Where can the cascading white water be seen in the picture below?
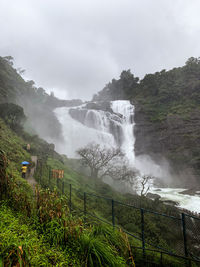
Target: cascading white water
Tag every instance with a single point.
(124, 108)
(97, 119)
(82, 126)
(77, 135)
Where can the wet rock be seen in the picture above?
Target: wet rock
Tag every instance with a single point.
(101, 105)
(153, 196)
(78, 114)
(117, 131)
(191, 191)
(170, 202)
(176, 139)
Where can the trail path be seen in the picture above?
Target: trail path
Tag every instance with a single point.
(30, 178)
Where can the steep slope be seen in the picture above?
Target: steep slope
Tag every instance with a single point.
(38, 105)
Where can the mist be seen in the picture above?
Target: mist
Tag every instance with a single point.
(74, 48)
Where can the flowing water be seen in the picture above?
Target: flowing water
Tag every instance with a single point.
(127, 111)
(188, 202)
(77, 134)
(82, 126)
(114, 129)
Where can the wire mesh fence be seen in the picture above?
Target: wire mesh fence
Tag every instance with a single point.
(128, 218)
(192, 225)
(177, 236)
(99, 206)
(163, 231)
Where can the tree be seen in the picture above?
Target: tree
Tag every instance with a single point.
(12, 114)
(145, 184)
(20, 71)
(192, 61)
(98, 159)
(9, 60)
(30, 83)
(124, 173)
(3, 176)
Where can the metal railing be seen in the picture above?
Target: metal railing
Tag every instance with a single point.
(180, 236)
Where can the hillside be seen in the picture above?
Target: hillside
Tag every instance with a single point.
(37, 104)
(167, 116)
(54, 235)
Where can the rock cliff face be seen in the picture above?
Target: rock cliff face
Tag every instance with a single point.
(175, 139)
(101, 117)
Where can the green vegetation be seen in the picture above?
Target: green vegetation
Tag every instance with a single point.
(20, 244)
(50, 236)
(13, 115)
(166, 92)
(40, 231)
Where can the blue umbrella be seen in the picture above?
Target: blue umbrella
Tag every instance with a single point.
(25, 162)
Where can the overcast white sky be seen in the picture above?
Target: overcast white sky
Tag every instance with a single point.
(75, 47)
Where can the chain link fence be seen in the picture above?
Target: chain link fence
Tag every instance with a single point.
(177, 235)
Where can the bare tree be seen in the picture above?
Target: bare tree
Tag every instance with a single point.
(124, 173)
(145, 184)
(98, 159)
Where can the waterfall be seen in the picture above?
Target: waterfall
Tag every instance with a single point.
(77, 134)
(127, 111)
(112, 128)
(97, 119)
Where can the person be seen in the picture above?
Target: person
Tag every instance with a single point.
(24, 169)
(28, 147)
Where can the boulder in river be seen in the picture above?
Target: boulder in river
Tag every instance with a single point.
(192, 191)
(170, 202)
(153, 196)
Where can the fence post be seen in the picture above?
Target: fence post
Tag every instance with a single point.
(63, 187)
(49, 176)
(40, 174)
(161, 258)
(70, 198)
(142, 231)
(57, 183)
(84, 205)
(113, 214)
(184, 234)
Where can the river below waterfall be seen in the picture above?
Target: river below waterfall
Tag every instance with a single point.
(184, 201)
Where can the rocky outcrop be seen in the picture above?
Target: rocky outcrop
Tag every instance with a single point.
(170, 202)
(78, 114)
(153, 196)
(101, 117)
(192, 191)
(101, 105)
(176, 139)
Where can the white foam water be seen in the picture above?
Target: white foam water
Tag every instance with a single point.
(77, 135)
(124, 108)
(184, 201)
